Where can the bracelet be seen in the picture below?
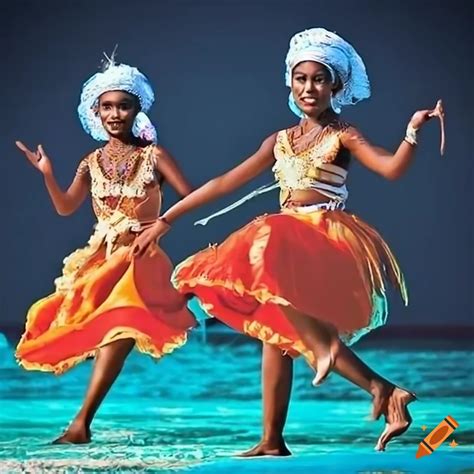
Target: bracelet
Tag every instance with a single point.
(410, 135)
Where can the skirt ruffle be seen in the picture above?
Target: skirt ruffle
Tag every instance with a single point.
(329, 265)
(99, 300)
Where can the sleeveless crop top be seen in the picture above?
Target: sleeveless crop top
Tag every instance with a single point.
(322, 167)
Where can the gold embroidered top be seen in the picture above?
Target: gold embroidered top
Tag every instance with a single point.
(321, 166)
(125, 195)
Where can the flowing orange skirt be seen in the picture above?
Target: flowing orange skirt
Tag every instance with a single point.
(99, 301)
(327, 264)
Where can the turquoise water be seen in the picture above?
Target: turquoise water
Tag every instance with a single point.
(193, 410)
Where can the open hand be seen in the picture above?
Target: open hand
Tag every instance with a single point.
(146, 240)
(37, 158)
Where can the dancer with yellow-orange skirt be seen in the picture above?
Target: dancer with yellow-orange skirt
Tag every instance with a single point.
(105, 303)
(311, 279)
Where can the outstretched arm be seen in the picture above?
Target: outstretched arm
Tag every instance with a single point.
(389, 165)
(67, 202)
(226, 183)
(213, 189)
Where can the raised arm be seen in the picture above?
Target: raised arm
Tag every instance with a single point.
(66, 202)
(391, 165)
(254, 165)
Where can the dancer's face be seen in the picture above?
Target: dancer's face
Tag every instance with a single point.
(117, 111)
(312, 87)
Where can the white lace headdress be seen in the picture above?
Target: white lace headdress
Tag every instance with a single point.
(340, 58)
(116, 77)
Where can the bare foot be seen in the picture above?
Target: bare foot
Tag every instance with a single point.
(76, 434)
(398, 418)
(266, 448)
(325, 362)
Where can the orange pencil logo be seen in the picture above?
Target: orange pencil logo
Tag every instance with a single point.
(436, 437)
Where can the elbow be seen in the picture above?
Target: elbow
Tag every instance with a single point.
(392, 174)
(64, 211)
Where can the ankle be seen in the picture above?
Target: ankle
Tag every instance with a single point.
(80, 422)
(272, 438)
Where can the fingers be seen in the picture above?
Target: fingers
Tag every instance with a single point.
(140, 251)
(138, 248)
(131, 254)
(30, 154)
(33, 156)
(134, 251)
(21, 146)
(41, 150)
(144, 244)
(438, 111)
(441, 122)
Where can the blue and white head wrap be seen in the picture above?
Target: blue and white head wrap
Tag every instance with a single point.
(339, 57)
(117, 77)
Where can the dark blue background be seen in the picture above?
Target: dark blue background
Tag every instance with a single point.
(218, 72)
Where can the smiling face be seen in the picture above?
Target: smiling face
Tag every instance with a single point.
(312, 87)
(117, 111)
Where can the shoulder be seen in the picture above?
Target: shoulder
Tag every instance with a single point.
(268, 145)
(149, 153)
(274, 138)
(88, 156)
(340, 126)
(350, 136)
(84, 164)
(157, 153)
(270, 140)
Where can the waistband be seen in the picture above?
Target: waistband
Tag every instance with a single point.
(329, 206)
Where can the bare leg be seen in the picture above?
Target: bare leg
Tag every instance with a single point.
(277, 377)
(321, 338)
(108, 364)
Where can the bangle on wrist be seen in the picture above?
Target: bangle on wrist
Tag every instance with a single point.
(411, 135)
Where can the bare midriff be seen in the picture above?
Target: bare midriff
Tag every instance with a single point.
(304, 197)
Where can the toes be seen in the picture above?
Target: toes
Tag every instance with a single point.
(382, 441)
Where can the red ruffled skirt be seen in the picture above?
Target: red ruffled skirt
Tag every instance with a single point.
(327, 264)
(99, 300)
